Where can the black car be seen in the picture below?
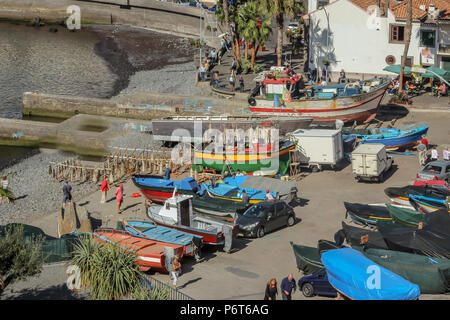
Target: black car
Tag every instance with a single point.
(264, 217)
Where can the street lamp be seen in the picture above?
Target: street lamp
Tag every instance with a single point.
(328, 37)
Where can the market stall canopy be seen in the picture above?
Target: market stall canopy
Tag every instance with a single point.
(395, 68)
(433, 72)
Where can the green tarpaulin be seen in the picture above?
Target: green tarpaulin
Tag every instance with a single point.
(432, 275)
(436, 71)
(405, 216)
(308, 258)
(53, 249)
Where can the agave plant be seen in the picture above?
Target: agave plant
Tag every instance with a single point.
(83, 257)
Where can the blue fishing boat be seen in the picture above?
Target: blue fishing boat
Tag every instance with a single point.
(159, 190)
(358, 278)
(234, 193)
(396, 138)
(148, 230)
(428, 204)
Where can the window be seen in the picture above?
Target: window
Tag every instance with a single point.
(409, 61)
(427, 38)
(397, 33)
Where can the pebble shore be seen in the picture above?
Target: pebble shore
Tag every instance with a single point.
(37, 193)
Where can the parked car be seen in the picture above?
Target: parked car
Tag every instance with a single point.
(435, 170)
(293, 25)
(265, 217)
(316, 284)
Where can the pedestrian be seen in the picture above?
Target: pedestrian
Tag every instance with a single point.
(241, 83)
(104, 187)
(245, 198)
(176, 270)
(231, 82)
(167, 173)
(269, 196)
(434, 154)
(234, 66)
(119, 197)
(341, 76)
(4, 190)
(216, 79)
(288, 287)
(424, 141)
(203, 72)
(67, 193)
(324, 82)
(446, 154)
(271, 290)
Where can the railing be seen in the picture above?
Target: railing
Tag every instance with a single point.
(173, 294)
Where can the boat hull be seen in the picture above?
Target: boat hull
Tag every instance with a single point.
(401, 141)
(348, 109)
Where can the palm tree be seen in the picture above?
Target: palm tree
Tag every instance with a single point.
(227, 14)
(407, 39)
(278, 9)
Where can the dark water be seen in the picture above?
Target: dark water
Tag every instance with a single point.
(95, 61)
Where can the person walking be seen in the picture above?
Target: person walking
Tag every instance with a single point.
(67, 193)
(203, 72)
(167, 173)
(241, 83)
(231, 82)
(119, 197)
(269, 196)
(216, 79)
(245, 198)
(446, 154)
(4, 190)
(104, 187)
(176, 270)
(434, 154)
(288, 287)
(271, 290)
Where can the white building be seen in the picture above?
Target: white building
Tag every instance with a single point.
(356, 36)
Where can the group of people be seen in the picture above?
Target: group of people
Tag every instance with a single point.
(104, 187)
(288, 288)
(434, 155)
(440, 89)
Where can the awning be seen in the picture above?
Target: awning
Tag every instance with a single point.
(395, 68)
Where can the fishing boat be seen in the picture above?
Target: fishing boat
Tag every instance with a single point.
(431, 203)
(192, 243)
(253, 157)
(234, 193)
(177, 213)
(349, 273)
(150, 254)
(433, 240)
(354, 236)
(307, 258)
(438, 184)
(280, 92)
(432, 275)
(407, 217)
(159, 190)
(401, 195)
(193, 129)
(405, 137)
(367, 214)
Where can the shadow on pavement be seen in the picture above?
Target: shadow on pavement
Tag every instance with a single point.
(59, 292)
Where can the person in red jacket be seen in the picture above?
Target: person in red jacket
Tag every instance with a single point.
(104, 187)
(424, 141)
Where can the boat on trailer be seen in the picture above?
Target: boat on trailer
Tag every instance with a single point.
(177, 213)
(349, 102)
(150, 254)
(148, 230)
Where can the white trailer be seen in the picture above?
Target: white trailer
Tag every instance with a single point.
(318, 147)
(370, 161)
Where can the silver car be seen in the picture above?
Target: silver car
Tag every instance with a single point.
(436, 170)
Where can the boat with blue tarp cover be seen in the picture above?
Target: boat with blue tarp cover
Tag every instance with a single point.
(234, 193)
(405, 136)
(148, 230)
(355, 276)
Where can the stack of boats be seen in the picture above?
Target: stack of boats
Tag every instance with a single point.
(408, 241)
(186, 216)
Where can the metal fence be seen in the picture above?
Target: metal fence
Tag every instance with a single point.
(174, 294)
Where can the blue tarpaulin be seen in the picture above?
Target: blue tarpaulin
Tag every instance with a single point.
(359, 278)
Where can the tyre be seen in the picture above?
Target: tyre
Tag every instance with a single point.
(261, 232)
(308, 290)
(290, 221)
